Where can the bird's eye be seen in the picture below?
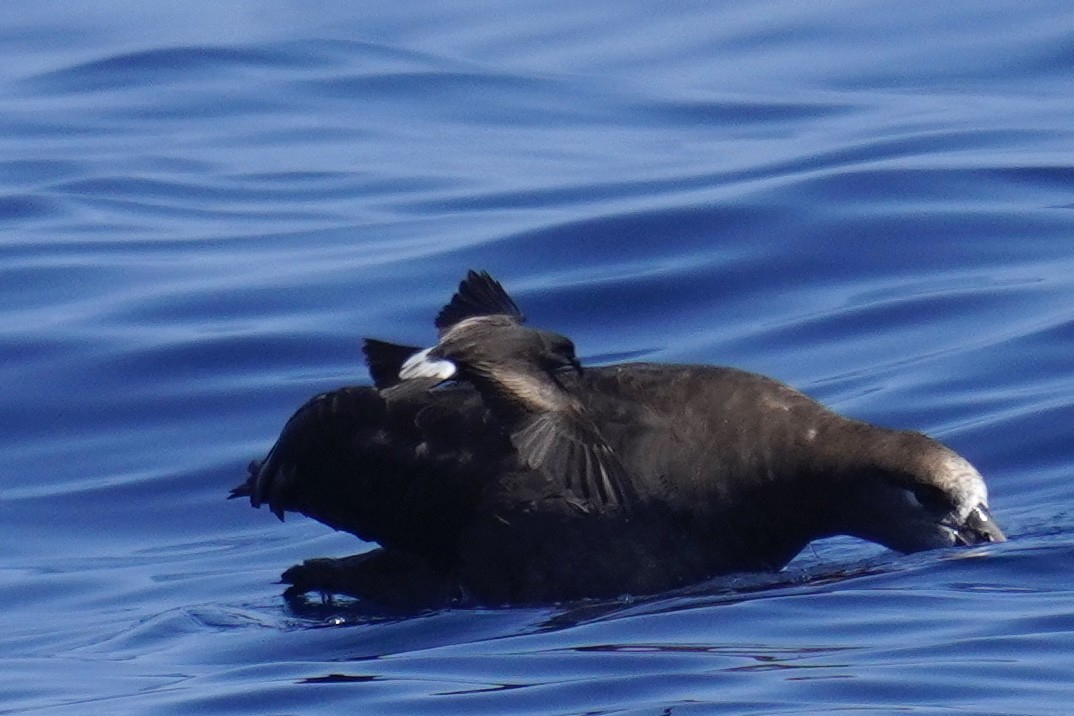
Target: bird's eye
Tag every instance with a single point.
(932, 498)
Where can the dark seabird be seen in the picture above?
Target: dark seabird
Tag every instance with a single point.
(492, 467)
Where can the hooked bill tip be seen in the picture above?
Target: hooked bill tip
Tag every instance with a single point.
(980, 527)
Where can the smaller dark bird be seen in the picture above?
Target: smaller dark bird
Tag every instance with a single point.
(483, 342)
(492, 466)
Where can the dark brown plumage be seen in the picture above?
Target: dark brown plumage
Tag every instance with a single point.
(526, 479)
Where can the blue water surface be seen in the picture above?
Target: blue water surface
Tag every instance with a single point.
(204, 206)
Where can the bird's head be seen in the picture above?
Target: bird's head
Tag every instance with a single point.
(558, 352)
(921, 495)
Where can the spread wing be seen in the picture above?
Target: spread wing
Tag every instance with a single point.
(552, 432)
(311, 456)
(568, 448)
(346, 459)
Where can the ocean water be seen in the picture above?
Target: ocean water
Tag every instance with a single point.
(204, 206)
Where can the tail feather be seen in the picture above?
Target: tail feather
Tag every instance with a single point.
(479, 294)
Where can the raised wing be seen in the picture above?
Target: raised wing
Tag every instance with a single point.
(479, 295)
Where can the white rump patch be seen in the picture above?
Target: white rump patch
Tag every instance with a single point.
(420, 365)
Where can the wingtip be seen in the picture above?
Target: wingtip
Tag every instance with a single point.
(385, 360)
(246, 489)
(237, 492)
